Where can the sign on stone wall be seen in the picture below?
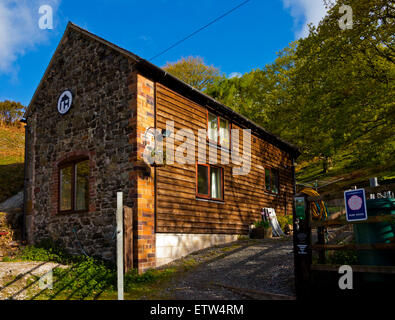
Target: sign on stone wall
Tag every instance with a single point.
(65, 101)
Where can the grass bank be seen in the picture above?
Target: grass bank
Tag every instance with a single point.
(12, 147)
(345, 168)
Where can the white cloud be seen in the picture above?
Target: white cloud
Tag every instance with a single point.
(305, 12)
(234, 75)
(19, 30)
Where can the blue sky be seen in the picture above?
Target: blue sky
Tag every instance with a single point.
(246, 39)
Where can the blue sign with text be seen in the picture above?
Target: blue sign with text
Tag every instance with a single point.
(355, 203)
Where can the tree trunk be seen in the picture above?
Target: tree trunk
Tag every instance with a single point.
(326, 164)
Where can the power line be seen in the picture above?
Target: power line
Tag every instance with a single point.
(200, 29)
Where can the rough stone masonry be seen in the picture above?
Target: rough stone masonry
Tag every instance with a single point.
(98, 127)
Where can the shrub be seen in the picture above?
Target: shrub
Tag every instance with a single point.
(47, 251)
(348, 257)
(285, 220)
(262, 224)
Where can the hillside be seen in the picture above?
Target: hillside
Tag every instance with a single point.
(345, 171)
(12, 140)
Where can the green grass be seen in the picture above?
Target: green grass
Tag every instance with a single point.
(90, 278)
(12, 140)
(46, 251)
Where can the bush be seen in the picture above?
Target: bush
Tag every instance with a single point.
(47, 251)
(262, 224)
(285, 220)
(347, 257)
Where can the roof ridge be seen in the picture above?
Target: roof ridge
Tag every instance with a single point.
(145, 64)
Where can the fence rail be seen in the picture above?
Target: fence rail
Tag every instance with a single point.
(351, 246)
(355, 268)
(343, 221)
(333, 235)
(340, 195)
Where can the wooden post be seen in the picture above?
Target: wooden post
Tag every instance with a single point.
(128, 238)
(120, 244)
(321, 241)
(302, 250)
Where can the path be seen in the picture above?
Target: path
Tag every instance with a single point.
(246, 272)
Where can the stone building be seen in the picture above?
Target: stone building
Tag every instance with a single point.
(86, 139)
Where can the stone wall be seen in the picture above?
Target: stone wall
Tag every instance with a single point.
(98, 126)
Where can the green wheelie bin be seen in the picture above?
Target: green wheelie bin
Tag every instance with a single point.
(378, 232)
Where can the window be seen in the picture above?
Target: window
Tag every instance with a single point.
(271, 181)
(224, 133)
(216, 182)
(267, 180)
(202, 177)
(212, 127)
(74, 186)
(209, 182)
(218, 130)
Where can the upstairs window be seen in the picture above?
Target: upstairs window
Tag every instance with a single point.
(224, 133)
(218, 130)
(271, 180)
(74, 186)
(210, 182)
(212, 128)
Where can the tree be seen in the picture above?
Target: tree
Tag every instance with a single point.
(347, 79)
(265, 95)
(330, 92)
(193, 71)
(10, 112)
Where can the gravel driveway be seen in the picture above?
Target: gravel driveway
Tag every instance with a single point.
(246, 269)
(258, 269)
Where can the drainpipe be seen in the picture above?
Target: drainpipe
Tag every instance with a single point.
(25, 180)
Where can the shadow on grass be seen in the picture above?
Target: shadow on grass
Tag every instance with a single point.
(19, 277)
(64, 288)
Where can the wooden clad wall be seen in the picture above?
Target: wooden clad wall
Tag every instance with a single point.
(178, 210)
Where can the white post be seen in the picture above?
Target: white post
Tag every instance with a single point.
(120, 244)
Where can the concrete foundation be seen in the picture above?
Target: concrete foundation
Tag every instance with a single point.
(172, 246)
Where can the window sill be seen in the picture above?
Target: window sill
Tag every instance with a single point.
(210, 200)
(219, 147)
(271, 194)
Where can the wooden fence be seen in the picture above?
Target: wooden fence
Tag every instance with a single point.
(313, 244)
